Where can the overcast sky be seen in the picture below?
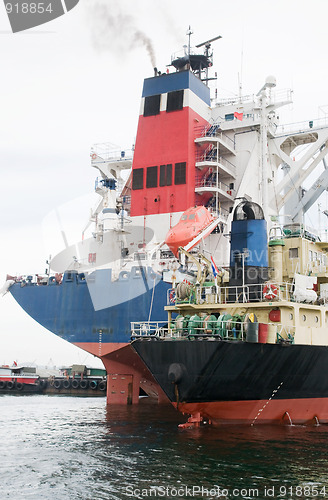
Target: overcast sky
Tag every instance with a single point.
(77, 81)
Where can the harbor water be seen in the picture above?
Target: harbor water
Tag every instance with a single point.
(77, 448)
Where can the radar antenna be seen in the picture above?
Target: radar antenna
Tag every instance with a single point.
(207, 53)
(208, 42)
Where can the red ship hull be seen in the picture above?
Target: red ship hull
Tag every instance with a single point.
(289, 411)
(126, 373)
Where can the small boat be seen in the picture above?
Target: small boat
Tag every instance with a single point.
(18, 379)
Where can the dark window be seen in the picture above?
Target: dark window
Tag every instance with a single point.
(152, 105)
(293, 253)
(165, 175)
(174, 100)
(229, 117)
(137, 180)
(151, 180)
(180, 173)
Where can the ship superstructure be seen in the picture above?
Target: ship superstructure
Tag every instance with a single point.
(190, 150)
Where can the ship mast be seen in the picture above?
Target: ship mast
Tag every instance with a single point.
(269, 83)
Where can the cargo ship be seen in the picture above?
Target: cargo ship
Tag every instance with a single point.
(249, 344)
(192, 149)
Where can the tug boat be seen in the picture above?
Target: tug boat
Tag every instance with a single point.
(250, 347)
(19, 379)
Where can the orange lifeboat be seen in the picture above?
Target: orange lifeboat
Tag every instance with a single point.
(193, 221)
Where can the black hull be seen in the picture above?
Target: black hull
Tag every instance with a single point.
(222, 375)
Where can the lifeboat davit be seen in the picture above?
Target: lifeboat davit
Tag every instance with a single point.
(192, 223)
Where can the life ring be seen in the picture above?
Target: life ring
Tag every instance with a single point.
(270, 291)
(172, 297)
(94, 156)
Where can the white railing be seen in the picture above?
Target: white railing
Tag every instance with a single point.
(214, 131)
(149, 328)
(235, 328)
(211, 156)
(212, 183)
(304, 126)
(109, 152)
(262, 292)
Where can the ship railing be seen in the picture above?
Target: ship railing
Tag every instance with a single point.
(220, 212)
(214, 130)
(236, 100)
(211, 155)
(109, 152)
(304, 126)
(297, 230)
(183, 53)
(232, 328)
(39, 279)
(269, 291)
(148, 329)
(211, 183)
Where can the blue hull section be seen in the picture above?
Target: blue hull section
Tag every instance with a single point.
(67, 309)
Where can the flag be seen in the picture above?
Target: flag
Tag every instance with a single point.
(239, 116)
(214, 267)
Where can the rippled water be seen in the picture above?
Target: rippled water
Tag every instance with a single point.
(76, 448)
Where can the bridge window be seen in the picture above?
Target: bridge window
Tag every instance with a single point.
(180, 173)
(152, 105)
(151, 180)
(174, 100)
(137, 180)
(165, 175)
(293, 253)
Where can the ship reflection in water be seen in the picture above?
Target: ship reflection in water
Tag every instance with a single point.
(78, 449)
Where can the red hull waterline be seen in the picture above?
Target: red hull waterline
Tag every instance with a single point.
(126, 373)
(280, 411)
